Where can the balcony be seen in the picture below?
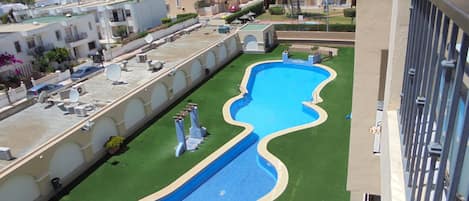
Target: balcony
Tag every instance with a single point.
(118, 22)
(75, 38)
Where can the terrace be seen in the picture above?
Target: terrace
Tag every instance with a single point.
(45, 123)
(149, 164)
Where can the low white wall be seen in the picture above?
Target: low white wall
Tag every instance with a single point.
(15, 94)
(4, 100)
(115, 52)
(53, 78)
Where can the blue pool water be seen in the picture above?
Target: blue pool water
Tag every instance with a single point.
(273, 103)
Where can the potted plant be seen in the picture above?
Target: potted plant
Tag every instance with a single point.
(114, 144)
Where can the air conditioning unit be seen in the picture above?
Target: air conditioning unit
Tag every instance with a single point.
(80, 88)
(5, 154)
(80, 111)
(142, 58)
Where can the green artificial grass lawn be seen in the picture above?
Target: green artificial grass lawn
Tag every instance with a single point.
(149, 164)
(316, 158)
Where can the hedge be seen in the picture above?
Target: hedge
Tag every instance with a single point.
(276, 10)
(349, 12)
(315, 27)
(186, 15)
(257, 8)
(179, 18)
(165, 20)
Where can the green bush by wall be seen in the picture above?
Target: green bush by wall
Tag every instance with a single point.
(257, 8)
(276, 10)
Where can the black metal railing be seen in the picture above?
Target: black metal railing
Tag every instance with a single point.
(434, 112)
(77, 37)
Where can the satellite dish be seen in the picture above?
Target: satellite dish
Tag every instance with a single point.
(74, 95)
(42, 98)
(149, 38)
(113, 73)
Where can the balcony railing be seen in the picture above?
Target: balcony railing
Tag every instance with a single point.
(434, 113)
(75, 38)
(114, 19)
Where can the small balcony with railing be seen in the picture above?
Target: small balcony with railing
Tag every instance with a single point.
(76, 37)
(117, 17)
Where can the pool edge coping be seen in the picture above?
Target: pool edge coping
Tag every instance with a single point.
(280, 167)
(282, 171)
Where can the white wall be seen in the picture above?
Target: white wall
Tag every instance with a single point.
(232, 45)
(7, 44)
(19, 188)
(67, 158)
(250, 43)
(210, 59)
(141, 42)
(159, 96)
(147, 14)
(222, 52)
(196, 70)
(134, 112)
(179, 82)
(102, 130)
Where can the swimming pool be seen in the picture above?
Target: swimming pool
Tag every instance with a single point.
(274, 102)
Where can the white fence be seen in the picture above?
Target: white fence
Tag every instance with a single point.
(19, 93)
(117, 51)
(13, 95)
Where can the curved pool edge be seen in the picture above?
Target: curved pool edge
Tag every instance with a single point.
(281, 169)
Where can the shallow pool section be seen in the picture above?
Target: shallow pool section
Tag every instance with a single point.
(273, 103)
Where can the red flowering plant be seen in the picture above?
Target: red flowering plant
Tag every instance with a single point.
(7, 59)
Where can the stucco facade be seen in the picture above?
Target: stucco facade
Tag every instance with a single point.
(112, 17)
(78, 34)
(380, 49)
(371, 40)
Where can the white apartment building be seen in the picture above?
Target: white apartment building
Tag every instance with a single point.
(115, 18)
(76, 33)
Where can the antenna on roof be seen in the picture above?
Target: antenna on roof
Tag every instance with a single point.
(149, 38)
(74, 95)
(113, 73)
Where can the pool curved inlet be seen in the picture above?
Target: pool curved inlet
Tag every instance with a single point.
(240, 153)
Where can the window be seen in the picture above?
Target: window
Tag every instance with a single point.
(92, 45)
(31, 43)
(178, 3)
(58, 35)
(128, 13)
(17, 46)
(90, 26)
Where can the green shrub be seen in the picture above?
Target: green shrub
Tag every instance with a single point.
(186, 15)
(306, 14)
(180, 18)
(349, 12)
(114, 142)
(257, 8)
(165, 20)
(276, 10)
(142, 34)
(315, 27)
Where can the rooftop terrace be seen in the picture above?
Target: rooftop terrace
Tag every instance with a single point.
(26, 130)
